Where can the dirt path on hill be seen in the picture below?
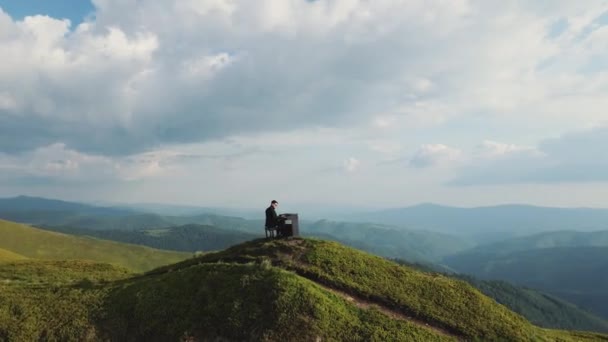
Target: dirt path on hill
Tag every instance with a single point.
(366, 304)
(358, 301)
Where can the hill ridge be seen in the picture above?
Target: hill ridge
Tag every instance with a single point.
(434, 300)
(354, 298)
(270, 290)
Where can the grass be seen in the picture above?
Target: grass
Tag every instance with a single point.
(244, 303)
(41, 244)
(439, 300)
(257, 291)
(59, 272)
(8, 256)
(251, 302)
(53, 300)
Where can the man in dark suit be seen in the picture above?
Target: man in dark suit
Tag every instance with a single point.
(271, 216)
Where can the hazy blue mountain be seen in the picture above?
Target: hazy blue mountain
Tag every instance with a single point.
(188, 210)
(543, 240)
(577, 274)
(38, 204)
(387, 241)
(189, 238)
(49, 212)
(490, 223)
(35, 210)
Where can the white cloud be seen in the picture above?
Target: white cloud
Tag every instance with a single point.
(352, 164)
(150, 73)
(58, 163)
(422, 85)
(573, 158)
(386, 147)
(7, 102)
(493, 149)
(435, 155)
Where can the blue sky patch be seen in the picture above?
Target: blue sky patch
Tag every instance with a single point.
(74, 10)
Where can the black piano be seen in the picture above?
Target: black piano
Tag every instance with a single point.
(288, 225)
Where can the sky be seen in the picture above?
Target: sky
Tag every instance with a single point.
(328, 103)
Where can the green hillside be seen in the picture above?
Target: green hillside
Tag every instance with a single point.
(42, 300)
(8, 256)
(59, 272)
(540, 308)
(288, 290)
(577, 274)
(41, 244)
(439, 301)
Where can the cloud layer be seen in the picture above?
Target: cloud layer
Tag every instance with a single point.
(573, 158)
(144, 74)
(153, 90)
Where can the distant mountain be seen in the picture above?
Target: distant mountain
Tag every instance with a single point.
(388, 241)
(46, 212)
(576, 274)
(38, 204)
(41, 244)
(280, 290)
(543, 240)
(490, 223)
(213, 232)
(74, 218)
(188, 210)
(35, 210)
(190, 238)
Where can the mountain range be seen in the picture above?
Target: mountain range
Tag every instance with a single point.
(570, 265)
(87, 227)
(488, 224)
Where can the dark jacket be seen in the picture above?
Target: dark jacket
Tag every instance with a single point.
(271, 217)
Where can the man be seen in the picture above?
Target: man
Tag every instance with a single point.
(271, 216)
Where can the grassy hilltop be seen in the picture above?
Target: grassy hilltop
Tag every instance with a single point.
(296, 290)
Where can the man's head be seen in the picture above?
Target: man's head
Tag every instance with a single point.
(274, 203)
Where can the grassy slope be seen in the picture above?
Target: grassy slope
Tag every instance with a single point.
(212, 301)
(40, 244)
(59, 272)
(257, 303)
(539, 308)
(238, 294)
(436, 299)
(8, 256)
(53, 300)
